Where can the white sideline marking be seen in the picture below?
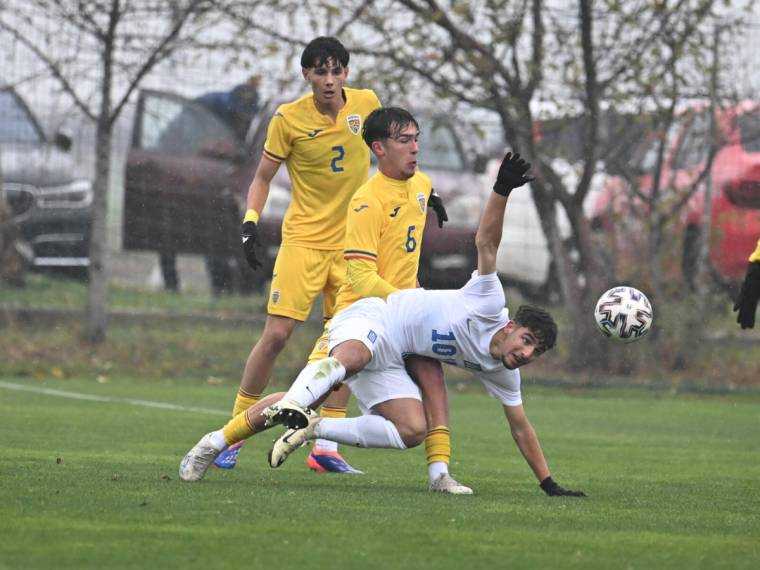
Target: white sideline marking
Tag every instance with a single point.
(109, 399)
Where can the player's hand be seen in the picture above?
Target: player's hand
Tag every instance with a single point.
(746, 302)
(249, 235)
(436, 203)
(551, 488)
(513, 172)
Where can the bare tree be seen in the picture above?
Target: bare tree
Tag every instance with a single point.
(517, 59)
(99, 51)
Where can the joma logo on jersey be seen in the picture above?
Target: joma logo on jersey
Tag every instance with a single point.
(354, 123)
(275, 297)
(360, 208)
(314, 133)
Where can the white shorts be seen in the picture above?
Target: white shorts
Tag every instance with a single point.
(385, 377)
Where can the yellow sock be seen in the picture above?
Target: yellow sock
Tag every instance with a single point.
(438, 445)
(243, 401)
(331, 412)
(237, 429)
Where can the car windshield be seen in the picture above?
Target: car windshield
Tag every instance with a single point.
(439, 149)
(749, 128)
(179, 128)
(16, 125)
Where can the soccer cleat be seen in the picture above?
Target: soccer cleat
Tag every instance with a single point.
(290, 441)
(329, 462)
(287, 413)
(227, 459)
(197, 461)
(447, 484)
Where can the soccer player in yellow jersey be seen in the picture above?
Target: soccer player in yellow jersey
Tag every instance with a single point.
(318, 137)
(746, 302)
(385, 221)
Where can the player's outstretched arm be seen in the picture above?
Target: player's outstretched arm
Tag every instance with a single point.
(258, 192)
(527, 442)
(512, 174)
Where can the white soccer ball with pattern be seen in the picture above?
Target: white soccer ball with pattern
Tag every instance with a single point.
(623, 314)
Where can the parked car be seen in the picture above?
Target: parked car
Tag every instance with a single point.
(48, 195)
(188, 173)
(735, 200)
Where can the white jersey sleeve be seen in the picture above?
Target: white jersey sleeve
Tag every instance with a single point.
(484, 295)
(504, 385)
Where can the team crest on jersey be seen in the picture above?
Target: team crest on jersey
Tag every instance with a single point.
(354, 123)
(275, 297)
(422, 202)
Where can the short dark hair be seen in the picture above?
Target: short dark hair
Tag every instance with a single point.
(386, 122)
(540, 324)
(321, 49)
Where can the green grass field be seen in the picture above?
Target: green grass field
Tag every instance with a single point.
(672, 482)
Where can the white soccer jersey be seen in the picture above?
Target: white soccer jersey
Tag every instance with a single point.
(456, 327)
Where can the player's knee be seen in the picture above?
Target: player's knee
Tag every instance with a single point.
(274, 338)
(412, 431)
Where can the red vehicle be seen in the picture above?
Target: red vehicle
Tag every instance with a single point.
(735, 178)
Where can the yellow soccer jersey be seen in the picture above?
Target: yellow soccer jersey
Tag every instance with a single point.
(326, 162)
(755, 254)
(385, 221)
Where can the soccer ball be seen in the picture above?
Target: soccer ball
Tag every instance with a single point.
(623, 314)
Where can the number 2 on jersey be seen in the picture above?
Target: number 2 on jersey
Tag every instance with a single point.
(341, 154)
(443, 349)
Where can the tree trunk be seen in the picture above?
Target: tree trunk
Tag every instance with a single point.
(12, 265)
(98, 288)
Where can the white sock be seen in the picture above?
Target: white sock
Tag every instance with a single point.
(315, 380)
(364, 431)
(326, 445)
(436, 469)
(217, 440)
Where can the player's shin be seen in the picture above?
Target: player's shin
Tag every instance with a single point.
(243, 401)
(316, 380)
(438, 451)
(328, 411)
(364, 431)
(249, 422)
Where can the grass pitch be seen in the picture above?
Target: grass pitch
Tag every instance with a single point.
(672, 482)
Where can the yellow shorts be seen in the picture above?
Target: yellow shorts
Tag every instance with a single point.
(300, 274)
(320, 349)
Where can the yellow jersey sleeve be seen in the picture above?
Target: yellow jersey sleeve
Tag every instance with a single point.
(278, 143)
(364, 280)
(755, 254)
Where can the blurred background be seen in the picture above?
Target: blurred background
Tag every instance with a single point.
(129, 132)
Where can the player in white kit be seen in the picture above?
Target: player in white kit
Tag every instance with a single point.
(468, 327)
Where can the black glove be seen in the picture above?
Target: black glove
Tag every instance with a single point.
(512, 173)
(746, 302)
(249, 234)
(436, 203)
(551, 488)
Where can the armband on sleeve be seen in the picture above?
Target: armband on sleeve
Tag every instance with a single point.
(363, 278)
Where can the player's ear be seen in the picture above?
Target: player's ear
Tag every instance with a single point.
(510, 326)
(378, 149)
(305, 72)
(345, 73)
